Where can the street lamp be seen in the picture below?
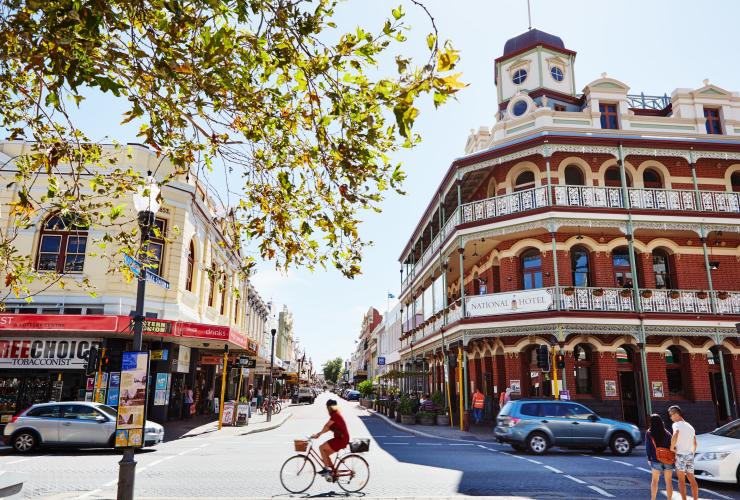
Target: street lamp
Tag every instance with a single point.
(272, 362)
(146, 205)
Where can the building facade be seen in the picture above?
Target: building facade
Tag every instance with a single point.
(207, 308)
(603, 224)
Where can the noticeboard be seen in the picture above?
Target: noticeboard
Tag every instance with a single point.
(132, 399)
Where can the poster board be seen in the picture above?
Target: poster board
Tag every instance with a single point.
(228, 415)
(132, 399)
(162, 389)
(114, 385)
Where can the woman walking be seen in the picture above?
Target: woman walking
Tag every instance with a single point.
(658, 443)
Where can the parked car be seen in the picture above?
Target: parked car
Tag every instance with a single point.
(352, 396)
(718, 454)
(69, 424)
(536, 425)
(305, 395)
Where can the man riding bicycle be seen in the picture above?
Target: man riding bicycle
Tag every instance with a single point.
(337, 425)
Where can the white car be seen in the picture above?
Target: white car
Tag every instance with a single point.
(718, 454)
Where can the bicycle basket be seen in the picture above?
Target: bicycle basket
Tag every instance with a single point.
(359, 446)
(300, 445)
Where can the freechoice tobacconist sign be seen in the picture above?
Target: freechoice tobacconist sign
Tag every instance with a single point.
(57, 353)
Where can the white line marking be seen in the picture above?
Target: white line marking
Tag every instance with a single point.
(623, 463)
(604, 459)
(600, 491)
(507, 454)
(429, 444)
(110, 483)
(156, 462)
(714, 493)
(90, 493)
(481, 446)
(203, 445)
(574, 479)
(380, 436)
(556, 471)
(520, 458)
(393, 443)
(533, 461)
(17, 461)
(403, 436)
(643, 469)
(465, 444)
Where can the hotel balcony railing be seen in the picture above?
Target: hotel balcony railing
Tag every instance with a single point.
(580, 196)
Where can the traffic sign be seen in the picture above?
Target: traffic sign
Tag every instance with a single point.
(157, 280)
(247, 362)
(134, 265)
(381, 360)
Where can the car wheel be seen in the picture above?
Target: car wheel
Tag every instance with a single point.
(24, 441)
(537, 443)
(621, 444)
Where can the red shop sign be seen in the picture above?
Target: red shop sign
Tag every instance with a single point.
(58, 323)
(201, 331)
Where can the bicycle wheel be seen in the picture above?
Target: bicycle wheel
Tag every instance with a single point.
(297, 474)
(278, 408)
(352, 473)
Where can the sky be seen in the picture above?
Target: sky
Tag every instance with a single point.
(652, 46)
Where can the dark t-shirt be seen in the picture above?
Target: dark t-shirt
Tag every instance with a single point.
(660, 441)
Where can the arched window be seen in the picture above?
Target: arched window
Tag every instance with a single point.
(579, 263)
(491, 190)
(574, 176)
(191, 267)
(613, 178)
(583, 360)
(674, 373)
(735, 182)
(661, 268)
(62, 245)
(212, 285)
(523, 181)
(531, 269)
(651, 179)
(621, 267)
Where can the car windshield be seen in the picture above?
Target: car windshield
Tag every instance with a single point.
(109, 411)
(506, 409)
(731, 430)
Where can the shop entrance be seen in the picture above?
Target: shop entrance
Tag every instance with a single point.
(715, 384)
(628, 394)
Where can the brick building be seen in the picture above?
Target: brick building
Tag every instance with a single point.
(602, 223)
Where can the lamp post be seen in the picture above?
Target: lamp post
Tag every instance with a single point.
(146, 205)
(272, 362)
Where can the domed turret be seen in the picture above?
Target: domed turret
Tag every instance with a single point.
(532, 38)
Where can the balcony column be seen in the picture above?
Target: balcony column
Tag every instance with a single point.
(465, 381)
(697, 195)
(460, 252)
(707, 268)
(642, 338)
(549, 176)
(555, 265)
(723, 374)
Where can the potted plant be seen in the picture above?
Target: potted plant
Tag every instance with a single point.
(406, 409)
(427, 417)
(598, 292)
(438, 399)
(366, 390)
(569, 290)
(723, 295)
(674, 294)
(647, 294)
(702, 295)
(626, 292)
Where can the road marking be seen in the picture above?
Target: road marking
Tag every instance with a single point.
(381, 436)
(393, 443)
(18, 461)
(715, 493)
(157, 462)
(574, 479)
(556, 471)
(623, 463)
(599, 458)
(508, 454)
(90, 493)
(600, 491)
(533, 461)
(643, 469)
(466, 444)
(110, 483)
(203, 445)
(403, 436)
(429, 444)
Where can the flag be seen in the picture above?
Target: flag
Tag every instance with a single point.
(391, 296)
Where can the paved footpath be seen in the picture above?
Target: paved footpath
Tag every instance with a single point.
(228, 464)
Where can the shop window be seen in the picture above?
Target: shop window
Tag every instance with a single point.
(583, 361)
(579, 262)
(524, 181)
(613, 178)
(714, 124)
(661, 268)
(621, 267)
(154, 247)
(574, 176)
(651, 179)
(674, 372)
(531, 269)
(735, 182)
(609, 116)
(62, 245)
(191, 267)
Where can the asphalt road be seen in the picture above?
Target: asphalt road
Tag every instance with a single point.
(402, 465)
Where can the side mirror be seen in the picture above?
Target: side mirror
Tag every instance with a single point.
(593, 417)
(100, 419)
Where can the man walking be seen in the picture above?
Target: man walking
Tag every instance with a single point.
(683, 444)
(478, 403)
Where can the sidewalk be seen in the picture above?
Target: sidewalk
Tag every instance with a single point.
(206, 424)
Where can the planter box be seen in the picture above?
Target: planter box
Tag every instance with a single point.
(408, 419)
(428, 420)
(443, 420)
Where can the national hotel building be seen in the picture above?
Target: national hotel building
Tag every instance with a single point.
(600, 221)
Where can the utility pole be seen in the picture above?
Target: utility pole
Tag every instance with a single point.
(272, 363)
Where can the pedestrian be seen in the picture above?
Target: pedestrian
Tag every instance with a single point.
(478, 403)
(187, 399)
(683, 444)
(505, 397)
(657, 443)
(210, 399)
(259, 398)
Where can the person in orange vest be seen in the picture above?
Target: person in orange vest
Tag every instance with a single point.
(478, 403)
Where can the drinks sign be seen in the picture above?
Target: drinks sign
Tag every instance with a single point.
(508, 303)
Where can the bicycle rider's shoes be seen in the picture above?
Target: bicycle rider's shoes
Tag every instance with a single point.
(324, 472)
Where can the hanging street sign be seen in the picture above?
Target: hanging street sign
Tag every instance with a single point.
(134, 265)
(157, 280)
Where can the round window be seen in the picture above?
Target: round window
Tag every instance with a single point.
(519, 76)
(519, 108)
(557, 74)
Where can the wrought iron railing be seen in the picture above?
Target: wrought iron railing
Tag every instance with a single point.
(588, 196)
(642, 101)
(504, 205)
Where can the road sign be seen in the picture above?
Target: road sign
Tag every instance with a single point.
(157, 280)
(247, 362)
(134, 265)
(381, 361)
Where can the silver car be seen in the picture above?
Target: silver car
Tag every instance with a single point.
(76, 424)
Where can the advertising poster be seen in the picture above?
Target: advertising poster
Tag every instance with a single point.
(162, 379)
(115, 380)
(100, 396)
(88, 396)
(610, 388)
(112, 397)
(90, 384)
(228, 415)
(515, 386)
(658, 389)
(132, 399)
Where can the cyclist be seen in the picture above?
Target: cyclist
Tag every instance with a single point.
(337, 425)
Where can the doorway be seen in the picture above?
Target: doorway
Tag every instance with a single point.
(628, 395)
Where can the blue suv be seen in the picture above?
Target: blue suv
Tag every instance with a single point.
(535, 425)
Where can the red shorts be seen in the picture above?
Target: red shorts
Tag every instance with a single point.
(337, 444)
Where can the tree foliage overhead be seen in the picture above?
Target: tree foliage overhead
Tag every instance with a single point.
(297, 111)
(332, 369)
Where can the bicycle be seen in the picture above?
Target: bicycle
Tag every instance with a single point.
(350, 471)
(276, 407)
